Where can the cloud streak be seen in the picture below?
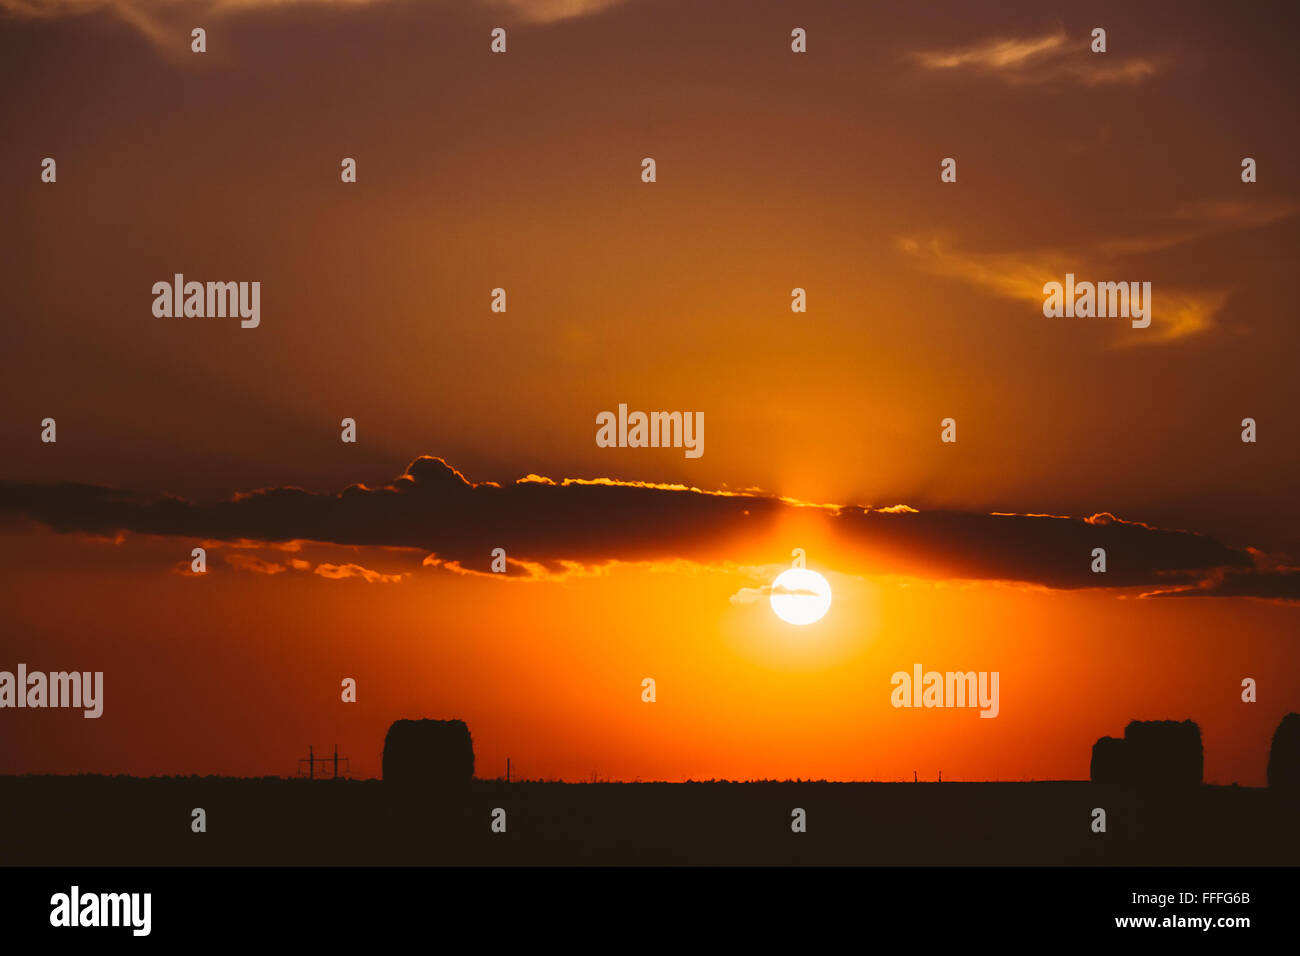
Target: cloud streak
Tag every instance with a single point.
(1037, 60)
(555, 528)
(765, 592)
(1176, 312)
(166, 24)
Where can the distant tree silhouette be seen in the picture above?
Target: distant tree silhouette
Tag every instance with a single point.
(1152, 753)
(1284, 754)
(437, 754)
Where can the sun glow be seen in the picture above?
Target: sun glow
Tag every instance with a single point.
(800, 596)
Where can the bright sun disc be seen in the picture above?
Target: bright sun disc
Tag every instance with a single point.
(800, 596)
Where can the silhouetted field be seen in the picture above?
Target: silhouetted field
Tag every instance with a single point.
(90, 820)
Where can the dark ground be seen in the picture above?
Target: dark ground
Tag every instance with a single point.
(91, 820)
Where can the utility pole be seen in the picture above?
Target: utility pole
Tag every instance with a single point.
(507, 770)
(342, 764)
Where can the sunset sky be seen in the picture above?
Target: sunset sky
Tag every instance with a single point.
(775, 170)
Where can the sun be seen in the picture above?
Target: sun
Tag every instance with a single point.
(800, 596)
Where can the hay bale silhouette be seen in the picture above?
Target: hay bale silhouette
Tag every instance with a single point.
(1108, 761)
(428, 754)
(1284, 755)
(1153, 753)
(1164, 752)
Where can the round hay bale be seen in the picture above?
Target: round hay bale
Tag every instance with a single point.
(1164, 752)
(1284, 755)
(1108, 761)
(428, 754)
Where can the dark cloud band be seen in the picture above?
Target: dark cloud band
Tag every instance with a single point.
(434, 508)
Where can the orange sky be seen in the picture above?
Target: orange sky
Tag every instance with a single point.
(774, 171)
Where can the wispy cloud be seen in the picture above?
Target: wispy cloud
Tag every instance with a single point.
(167, 23)
(994, 54)
(1281, 585)
(1046, 58)
(753, 595)
(337, 572)
(275, 557)
(1176, 312)
(550, 11)
(248, 562)
(1202, 219)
